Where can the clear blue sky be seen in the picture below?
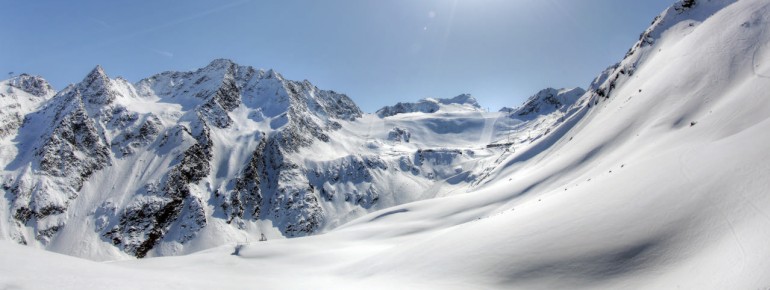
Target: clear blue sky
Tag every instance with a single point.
(376, 51)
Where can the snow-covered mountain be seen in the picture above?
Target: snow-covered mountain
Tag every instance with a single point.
(133, 158)
(654, 178)
(464, 102)
(545, 102)
(184, 161)
(18, 97)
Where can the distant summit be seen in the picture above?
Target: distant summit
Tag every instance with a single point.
(545, 102)
(464, 102)
(19, 96)
(34, 85)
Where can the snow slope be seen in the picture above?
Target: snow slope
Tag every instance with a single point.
(657, 180)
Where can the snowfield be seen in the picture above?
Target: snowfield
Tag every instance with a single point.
(656, 177)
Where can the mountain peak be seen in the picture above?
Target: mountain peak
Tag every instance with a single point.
(221, 63)
(462, 102)
(35, 85)
(463, 99)
(97, 71)
(546, 101)
(95, 76)
(272, 74)
(95, 87)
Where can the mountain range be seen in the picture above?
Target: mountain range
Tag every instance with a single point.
(654, 176)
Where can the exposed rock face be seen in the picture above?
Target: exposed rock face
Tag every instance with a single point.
(245, 200)
(401, 108)
(75, 147)
(148, 219)
(546, 102)
(225, 100)
(18, 97)
(687, 4)
(399, 135)
(691, 11)
(34, 85)
(349, 170)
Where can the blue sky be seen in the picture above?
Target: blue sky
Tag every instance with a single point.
(377, 51)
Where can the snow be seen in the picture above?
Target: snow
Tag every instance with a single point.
(661, 184)
(19, 96)
(461, 103)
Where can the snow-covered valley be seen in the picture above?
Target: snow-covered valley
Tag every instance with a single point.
(654, 177)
